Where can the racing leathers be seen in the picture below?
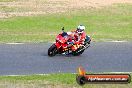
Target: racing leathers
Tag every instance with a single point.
(76, 40)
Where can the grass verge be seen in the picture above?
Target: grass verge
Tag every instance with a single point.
(66, 80)
(108, 23)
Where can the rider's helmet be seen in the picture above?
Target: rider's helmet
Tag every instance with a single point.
(80, 29)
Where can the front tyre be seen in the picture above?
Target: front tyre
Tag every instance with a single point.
(52, 51)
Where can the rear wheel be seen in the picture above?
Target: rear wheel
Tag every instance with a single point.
(78, 52)
(52, 51)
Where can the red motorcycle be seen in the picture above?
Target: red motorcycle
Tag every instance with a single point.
(61, 46)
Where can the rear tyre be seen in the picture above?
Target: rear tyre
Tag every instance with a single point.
(52, 51)
(77, 52)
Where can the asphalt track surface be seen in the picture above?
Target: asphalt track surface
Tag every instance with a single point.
(26, 59)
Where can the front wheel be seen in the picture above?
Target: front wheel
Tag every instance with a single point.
(52, 51)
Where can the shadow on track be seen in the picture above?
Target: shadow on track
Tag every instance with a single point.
(59, 55)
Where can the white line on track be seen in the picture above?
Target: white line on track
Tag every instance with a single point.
(14, 43)
(75, 73)
(118, 41)
(119, 72)
(26, 75)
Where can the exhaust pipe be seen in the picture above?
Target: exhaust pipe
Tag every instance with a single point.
(84, 47)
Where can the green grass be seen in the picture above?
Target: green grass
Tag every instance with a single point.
(66, 80)
(108, 23)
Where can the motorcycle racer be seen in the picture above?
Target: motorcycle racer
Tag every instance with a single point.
(78, 37)
(74, 42)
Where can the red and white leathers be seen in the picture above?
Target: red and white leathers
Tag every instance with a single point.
(77, 39)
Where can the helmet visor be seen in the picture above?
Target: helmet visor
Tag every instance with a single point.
(80, 31)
